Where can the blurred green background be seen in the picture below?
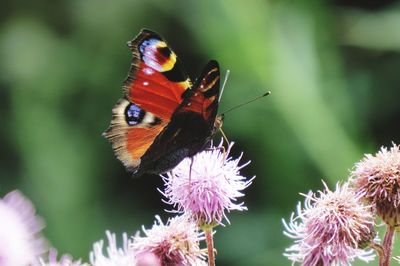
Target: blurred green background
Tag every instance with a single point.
(332, 66)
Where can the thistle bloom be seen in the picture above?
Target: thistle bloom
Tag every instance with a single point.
(207, 185)
(115, 256)
(65, 260)
(173, 243)
(377, 179)
(20, 239)
(331, 229)
(147, 259)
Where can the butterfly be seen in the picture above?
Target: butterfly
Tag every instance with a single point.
(163, 116)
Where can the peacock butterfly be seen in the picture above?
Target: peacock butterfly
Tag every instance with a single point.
(163, 117)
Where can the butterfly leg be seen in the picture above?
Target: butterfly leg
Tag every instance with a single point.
(221, 148)
(190, 173)
(223, 135)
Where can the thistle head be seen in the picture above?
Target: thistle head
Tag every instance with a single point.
(20, 232)
(173, 243)
(207, 185)
(65, 260)
(114, 255)
(377, 179)
(331, 228)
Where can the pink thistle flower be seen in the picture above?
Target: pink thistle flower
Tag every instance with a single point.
(66, 260)
(331, 229)
(147, 259)
(20, 239)
(207, 185)
(115, 256)
(377, 179)
(173, 243)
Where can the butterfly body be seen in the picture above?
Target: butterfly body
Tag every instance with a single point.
(162, 118)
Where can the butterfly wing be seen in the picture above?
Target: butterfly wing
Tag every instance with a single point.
(156, 80)
(153, 90)
(191, 125)
(203, 98)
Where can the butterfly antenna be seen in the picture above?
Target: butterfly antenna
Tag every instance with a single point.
(242, 104)
(223, 84)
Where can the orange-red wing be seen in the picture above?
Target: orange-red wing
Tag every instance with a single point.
(153, 91)
(130, 141)
(205, 93)
(191, 127)
(156, 80)
(162, 118)
(138, 140)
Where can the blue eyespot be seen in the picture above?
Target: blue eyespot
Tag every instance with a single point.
(133, 114)
(148, 42)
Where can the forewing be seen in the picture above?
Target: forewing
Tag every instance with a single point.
(191, 125)
(203, 98)
(153, 90)
(156, 79)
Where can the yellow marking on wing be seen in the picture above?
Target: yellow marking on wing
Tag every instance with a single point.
(212, 98)
(209, 85)
(213, 70)
(161, 44)
(170, 62)
(185, 84)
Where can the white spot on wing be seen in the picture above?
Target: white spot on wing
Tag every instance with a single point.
(148, 71)
(148, 118)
